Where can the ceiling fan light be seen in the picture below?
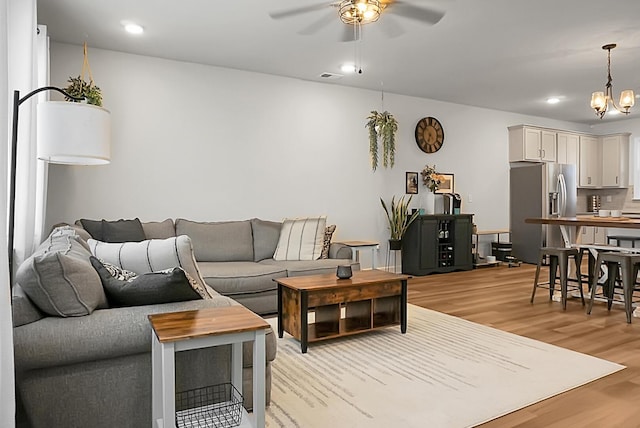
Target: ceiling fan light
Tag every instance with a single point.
(627, 99)
(598, 101)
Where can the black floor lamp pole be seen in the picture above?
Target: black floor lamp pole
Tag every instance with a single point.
(17, 101)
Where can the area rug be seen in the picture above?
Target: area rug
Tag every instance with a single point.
(444, 372)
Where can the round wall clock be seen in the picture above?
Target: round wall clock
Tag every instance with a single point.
(429, 134)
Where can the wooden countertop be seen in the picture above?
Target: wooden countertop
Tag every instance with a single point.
(587, 220)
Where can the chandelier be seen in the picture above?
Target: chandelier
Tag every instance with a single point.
(600, 100)
(357, 12)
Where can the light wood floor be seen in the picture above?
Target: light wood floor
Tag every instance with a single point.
(499, 297)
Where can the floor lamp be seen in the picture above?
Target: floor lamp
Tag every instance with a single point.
(68, 133)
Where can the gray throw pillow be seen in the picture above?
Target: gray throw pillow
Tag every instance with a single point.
(265, 238)
(171, 285)
(59, 277)
(122, 231)
(94, 227)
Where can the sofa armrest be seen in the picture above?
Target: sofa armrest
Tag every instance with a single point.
(340, 251)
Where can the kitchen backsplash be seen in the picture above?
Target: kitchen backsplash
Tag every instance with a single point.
(620, 199)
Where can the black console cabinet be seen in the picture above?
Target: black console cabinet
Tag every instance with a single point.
(438, 243)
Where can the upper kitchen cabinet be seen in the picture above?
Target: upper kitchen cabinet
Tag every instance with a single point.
(568, 148)
(615, 160)
(528, 143)
(590, 162)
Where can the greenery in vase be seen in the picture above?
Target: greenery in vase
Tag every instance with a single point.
(382, 127)
(431, 178)
(398, 216)
(79, 88)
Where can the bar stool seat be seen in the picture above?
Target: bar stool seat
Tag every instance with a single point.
(622, 266)
(559, 257)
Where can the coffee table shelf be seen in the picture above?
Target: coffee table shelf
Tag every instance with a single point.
(338, 307)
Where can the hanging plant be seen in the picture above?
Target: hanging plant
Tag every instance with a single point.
(382, 127)
(79, 88)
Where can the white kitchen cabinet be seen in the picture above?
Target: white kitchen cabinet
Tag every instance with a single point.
(590, 162)
(615, 160)
(593, 235)
(528, 143)
(567, 148)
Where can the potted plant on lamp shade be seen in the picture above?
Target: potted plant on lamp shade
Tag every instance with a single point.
(399, 220)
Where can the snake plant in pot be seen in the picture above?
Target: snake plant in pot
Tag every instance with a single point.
(399, 220)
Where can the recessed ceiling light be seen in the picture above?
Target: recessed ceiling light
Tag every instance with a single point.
(612, 112)
(553, 100)
(348, 68)
(132, 28)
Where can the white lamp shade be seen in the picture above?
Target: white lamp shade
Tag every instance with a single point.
(598, 101)
(627, 99)
(73, 133)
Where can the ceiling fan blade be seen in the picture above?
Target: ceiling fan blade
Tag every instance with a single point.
(390, 27)
(418, 13)
(318, 24)
(287, 13)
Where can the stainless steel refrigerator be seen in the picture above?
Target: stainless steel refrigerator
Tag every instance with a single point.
(539, 190)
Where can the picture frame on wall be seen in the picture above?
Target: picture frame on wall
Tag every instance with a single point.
(446, 184)
(411, 183)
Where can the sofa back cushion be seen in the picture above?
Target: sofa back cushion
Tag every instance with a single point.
(159, 229)
(225, 241)
(265, 238)
(152, 255)
(59, 278)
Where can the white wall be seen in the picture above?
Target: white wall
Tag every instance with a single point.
(209, 143)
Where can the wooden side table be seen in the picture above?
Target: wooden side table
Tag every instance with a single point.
(357, 246)
(182, 331)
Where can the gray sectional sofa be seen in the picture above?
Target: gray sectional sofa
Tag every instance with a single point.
(93, 369)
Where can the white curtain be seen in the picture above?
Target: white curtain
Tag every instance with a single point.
(24, 76)
(7, 398)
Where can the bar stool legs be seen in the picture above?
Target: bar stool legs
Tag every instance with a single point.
(623, 266)
(559, 258)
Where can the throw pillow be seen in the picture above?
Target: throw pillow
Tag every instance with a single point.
(265, 238)
(94, 227)
(159, 229)
(170, 285)
(328, 234)
(59, 278)
(301, 239)
(152, 255)
(122, 231)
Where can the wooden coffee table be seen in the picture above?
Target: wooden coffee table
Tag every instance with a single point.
(368, 300)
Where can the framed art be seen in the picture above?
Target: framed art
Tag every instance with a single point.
(446, 184)
(411, 183)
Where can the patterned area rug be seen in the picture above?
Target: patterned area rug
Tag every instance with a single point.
(444, 372)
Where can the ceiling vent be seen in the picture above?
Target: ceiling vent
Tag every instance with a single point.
(331, 76)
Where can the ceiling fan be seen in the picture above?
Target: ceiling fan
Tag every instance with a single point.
(355, 13)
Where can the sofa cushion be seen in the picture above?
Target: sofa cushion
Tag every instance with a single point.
(159, 229)
(170, 285)
(107, 333)
(23, 310)
(265, 238)
(150, 256)
(59, 278)
(301, 239)
(313, 267)
(225, 241)
(122, 231)
(326, 243)
(233, 278)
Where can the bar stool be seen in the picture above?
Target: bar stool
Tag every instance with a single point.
(622, 266)
(558, 257)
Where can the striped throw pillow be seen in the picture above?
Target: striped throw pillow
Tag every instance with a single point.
(301, 239)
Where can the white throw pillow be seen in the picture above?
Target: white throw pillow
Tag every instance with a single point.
(152, 255)
(301, 239)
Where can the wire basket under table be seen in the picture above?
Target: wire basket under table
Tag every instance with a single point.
(216, 406)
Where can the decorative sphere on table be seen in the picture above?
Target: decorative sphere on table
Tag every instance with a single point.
(344, 272)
